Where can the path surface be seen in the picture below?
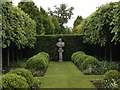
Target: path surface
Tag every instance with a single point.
(64, 75)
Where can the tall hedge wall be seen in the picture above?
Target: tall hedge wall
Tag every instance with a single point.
(47, 44)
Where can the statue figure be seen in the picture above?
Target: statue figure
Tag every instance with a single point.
(60, 44)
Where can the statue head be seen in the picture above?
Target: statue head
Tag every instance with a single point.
(60, 39)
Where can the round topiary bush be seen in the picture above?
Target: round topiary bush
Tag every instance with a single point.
(44, 55)
(24, 73)
(81, 58)
(11, 81)
(89, 61)
(111, 79)
(112, 74)
(37, 62)
(75, 54)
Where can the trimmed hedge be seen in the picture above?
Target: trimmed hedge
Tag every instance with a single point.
(47, 44)
(24, 73)
(11, 81)
(38, 62)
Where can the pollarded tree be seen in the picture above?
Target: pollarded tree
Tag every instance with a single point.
(18, 28)
(33, 11)
(102, 26)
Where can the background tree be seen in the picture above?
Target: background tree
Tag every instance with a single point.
(33, 11)
(77, 24)
(47, 22)
(78, 20)
(57, 29)
(62, 13)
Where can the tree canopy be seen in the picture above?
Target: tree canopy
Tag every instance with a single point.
(18, 27)
(63, 13)
(33, 11)
(103, 25)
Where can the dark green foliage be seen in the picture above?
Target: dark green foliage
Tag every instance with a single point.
(47, 22)
(47, 44)
(38, 62)
(24, 73)
(11, 81)
(57, 29)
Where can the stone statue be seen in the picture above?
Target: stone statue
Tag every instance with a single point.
(60, 44)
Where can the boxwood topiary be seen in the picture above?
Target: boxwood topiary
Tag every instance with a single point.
(24, 73)
(111, 79)
(89, 62)
(38, 62)
(112, 74)
(11, 81)
(81, 59)
(74, 55)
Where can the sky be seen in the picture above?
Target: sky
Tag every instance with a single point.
(82, 8)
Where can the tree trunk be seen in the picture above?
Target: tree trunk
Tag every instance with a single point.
(13, 54)
(17, 54)
(100, 53)
(110, 52)
(105, 53)
(8, 58)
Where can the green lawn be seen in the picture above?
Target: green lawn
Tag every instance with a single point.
(64, 75)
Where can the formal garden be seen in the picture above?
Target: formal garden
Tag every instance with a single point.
(86, 57)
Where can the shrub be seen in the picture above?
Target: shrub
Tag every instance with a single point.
(11, 81)
(44, 55)
(24, 73)
(81, 59)
(119, 85)
(89, 62)
(105, 66)
(112, 74)
(19, 64)
(111, 79)
(37, 62)
(74, 55)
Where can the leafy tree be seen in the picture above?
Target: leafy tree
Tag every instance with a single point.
(33, 11)
(47, 22)
(102, 26)
(57, 29)
(18, 28)
(78, 20)
(62, 13)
